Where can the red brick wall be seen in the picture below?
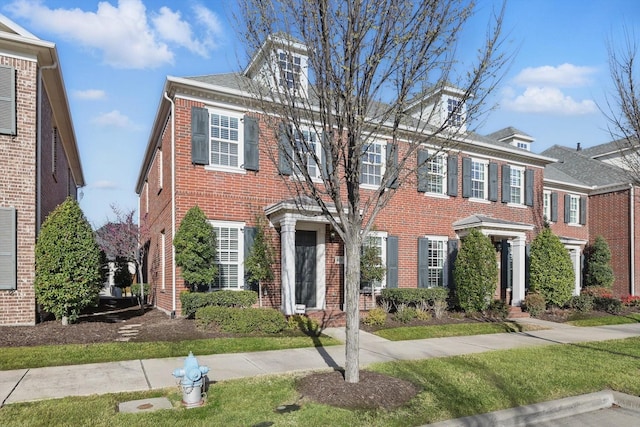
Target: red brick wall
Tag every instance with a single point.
(18, 189)
(240, 196)
(574, 231)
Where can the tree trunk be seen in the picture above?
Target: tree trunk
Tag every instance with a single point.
(352, 295)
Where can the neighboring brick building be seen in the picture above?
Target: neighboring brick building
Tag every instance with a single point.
(38, 157)
(210, 146)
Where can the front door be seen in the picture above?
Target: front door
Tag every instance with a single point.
(306, 268)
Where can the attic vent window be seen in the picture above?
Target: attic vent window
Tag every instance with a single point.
(290, 66)
(454, 110)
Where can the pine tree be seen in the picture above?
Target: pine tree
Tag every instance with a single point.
(67, 263)
(475, 272)
(551, 271)
(195, 245)
(598, 271)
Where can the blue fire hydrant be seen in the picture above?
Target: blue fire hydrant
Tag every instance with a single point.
(192, 381)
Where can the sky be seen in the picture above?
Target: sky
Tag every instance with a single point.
(116, 54)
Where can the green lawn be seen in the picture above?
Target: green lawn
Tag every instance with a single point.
(451, 387)
(454, 330)
(606, 320)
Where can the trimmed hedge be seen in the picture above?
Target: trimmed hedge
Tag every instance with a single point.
(241, 320)
(192, 301)
(413, 297)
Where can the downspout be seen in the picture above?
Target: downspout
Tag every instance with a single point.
(173, 206)
(39, 145)
(632, 246)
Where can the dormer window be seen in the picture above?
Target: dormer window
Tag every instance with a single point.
(454, 110)
(290, 67)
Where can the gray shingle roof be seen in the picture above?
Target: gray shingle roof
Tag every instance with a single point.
(608, 147)
(507, 132)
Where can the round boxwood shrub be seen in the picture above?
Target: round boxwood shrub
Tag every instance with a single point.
(68, 277)
(551, 271)
(195, 244)
(475, 272)
(534, 304)
(597, 269)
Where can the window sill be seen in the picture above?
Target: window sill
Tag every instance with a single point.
(573, 224)
(223, 169)
(437, 195)
(369, 186)
(517, 205)
(485, 201)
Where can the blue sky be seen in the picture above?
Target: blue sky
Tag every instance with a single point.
(116, 54)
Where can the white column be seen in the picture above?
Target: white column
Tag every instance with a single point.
(574, 251)
(288, 262)
(518, 284)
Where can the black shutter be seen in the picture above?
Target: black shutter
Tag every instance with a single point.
(8, 248)
(423, 262)
(423, 170)
(327, 160)
(285, 151)
(567, 208)
(251, 138)
(199, 136)
(466, 177)
(529, 178)
(452, 176)
(506, 183)
(392, 165)
(452, 254)
(554, 207)
(392, 261)
(7, 100)
(583, 210)
(493, 182)
(249, 237)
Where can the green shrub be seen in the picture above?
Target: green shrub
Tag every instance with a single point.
(439, 308)
(241, 320)
(475, 272)
(195, 244)
(498, 309)
(597, 268)
(135, 289)
(610, 305)
(375, 317)
(534, 304)
(413, 297)
(597, 291)
(582, 303)
(405, 314)
(423, 314)
(67, 257)
(192, 301)
(304, 324)
(551, 271)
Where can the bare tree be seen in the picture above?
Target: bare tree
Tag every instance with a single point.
(371, 66)
(623, 106)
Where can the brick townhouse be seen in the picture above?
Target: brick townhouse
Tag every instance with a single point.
(38, 156)
(210, 146)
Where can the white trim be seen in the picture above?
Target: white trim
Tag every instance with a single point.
(383, 162)
(239, 226)
(521, 170)
(444, 157)
(321, 285)
(485, 180)
(445, 267)
(383, 254)
(240, 142)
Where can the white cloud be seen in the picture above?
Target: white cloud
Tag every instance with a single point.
(548, 100)
(113, 119)
(123, 34)
(565, 75)
(89, 94)
(104, 185)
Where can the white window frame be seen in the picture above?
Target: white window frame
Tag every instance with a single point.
(484, 181)
(574, 209)
(546, 205)
(381, 238)
(239, 142)
(239, 226)
(366, 156)
(290, 69)
(440, 269)
(437, 175)
(160, 172)
(523, 145)
(516, 185)
(308, 132)
(454, 119)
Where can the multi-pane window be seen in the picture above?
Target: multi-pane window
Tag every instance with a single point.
(546, 205)
(229, 241)
(225, 140)
(374, 249)
(290, 67)
(523, 145)
(517, 185)
(372, 157)
(454, 110)
(436, 260)
(306, 143)
(478, 179)
(574, 210)
(436, 174)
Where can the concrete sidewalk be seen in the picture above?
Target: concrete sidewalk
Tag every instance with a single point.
(136, 375)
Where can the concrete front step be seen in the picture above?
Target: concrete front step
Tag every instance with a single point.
(517, 313)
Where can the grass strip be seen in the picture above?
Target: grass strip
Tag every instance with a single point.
(451, 387)
(75, 354)
(607, 320)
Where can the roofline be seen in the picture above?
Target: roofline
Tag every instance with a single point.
(567, 184)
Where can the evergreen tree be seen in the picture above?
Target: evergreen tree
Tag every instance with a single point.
(475, 272)
(195, 245)
(551, 271)
(598, 271)
(67, 263)
(259, 263)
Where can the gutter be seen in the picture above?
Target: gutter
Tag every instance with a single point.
(173, 205)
